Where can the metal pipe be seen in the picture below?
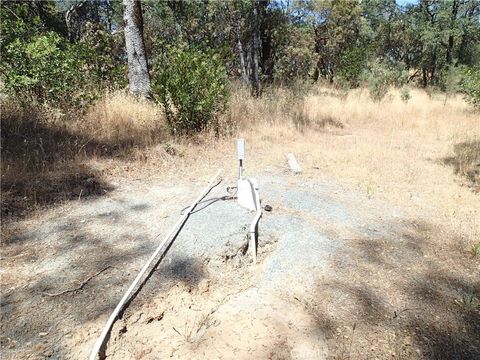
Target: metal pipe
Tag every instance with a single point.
(173, 232)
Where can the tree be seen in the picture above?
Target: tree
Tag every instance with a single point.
(256, 48)
(236, 18)
(138, 75)
(338, 34)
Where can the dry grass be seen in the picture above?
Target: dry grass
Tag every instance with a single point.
(121, 120)
(423, 158)
(46, 159)
(394, 150)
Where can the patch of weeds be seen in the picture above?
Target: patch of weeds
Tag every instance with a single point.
(301, 120)
(329, 120)
(170, 149)
(194, 335)
(469, 302)
(475, 250)
(405, 94)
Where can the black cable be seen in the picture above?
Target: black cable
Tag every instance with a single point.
(213, 200)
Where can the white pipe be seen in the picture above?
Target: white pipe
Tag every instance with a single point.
(173, 232)
(252, 231)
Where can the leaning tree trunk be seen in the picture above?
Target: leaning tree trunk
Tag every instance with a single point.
(255, 49)
(72, 23)
(138, 76)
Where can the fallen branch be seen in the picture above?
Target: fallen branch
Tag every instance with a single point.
(80, 287)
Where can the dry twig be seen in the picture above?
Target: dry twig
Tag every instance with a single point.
(80, 287)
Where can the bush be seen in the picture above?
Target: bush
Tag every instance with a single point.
(405, 94)
(381, 75)
(50, 70)
(191, 84)
(46, 68)
(39, 64)
(470, 86)
(351, 64)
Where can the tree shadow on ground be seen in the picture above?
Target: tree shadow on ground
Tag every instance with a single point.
(466, 162)
(43, 161)
(412, 295)
(28, 310)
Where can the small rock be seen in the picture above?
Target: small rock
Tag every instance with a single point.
(48, 353)
(204, 286)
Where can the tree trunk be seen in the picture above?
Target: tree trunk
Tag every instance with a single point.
(72, 28)
(433, 75)
(248, 65)
(330, 73)
(255, 50)
(241, 53)
(138, 76)
(453, 18)
(242, 63)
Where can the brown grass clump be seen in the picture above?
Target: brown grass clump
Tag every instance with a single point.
(123, 121)
(45, 159)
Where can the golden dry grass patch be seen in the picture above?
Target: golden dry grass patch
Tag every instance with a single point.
(391, 149)
(118, 118)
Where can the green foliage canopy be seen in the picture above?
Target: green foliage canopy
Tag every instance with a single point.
(191, 84)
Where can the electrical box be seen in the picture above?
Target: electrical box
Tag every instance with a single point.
(247, 193)
(241, 149)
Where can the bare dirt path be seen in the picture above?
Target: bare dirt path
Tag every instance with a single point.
(340, 275)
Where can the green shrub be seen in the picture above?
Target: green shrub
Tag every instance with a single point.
(48, 69)
(470, 86)
(450, 78)
(405, 94)
(191, 84)
(381, 75)
(104, 53)
(350, 66)
(39, 64)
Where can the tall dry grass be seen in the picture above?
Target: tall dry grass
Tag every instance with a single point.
(414, 154)
(122, 120)
(421, 155)
(47, 158)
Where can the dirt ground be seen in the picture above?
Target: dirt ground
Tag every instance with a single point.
(340, 275)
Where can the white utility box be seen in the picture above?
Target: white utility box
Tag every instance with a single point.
(247, 193)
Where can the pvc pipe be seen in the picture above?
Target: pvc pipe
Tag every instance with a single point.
(256, 219)
(173, 232)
